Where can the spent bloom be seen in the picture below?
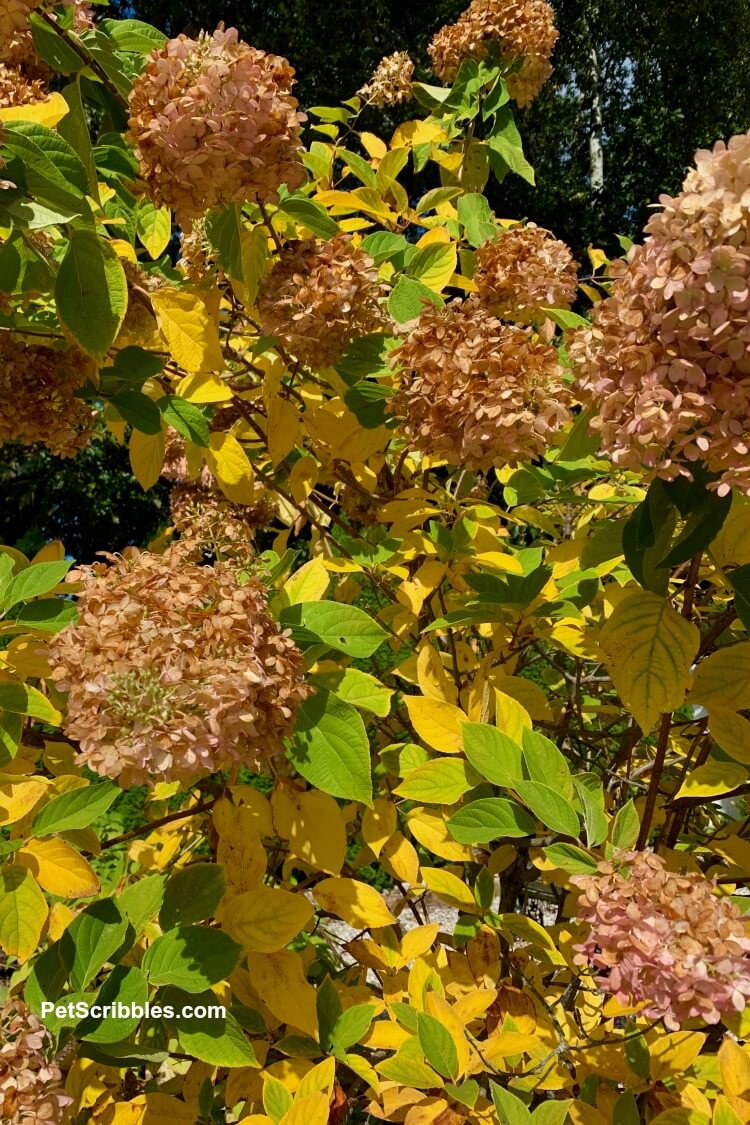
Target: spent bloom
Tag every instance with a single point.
(524, 270)
(523, 30)
(664, 940)
(174, 670)
(16, 44)
(31, 1086)
(16, 89)
(319, 297)
(213, 121)
(391, 84)
(37, 396)
(666, 360)
(475, 391)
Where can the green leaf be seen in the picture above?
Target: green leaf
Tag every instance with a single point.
(565, 319)
(122, 1055)
(739, 580)
(133, 35)
(277, 1100)
(26, 700)
(351, 1026)
(701, 528)
(52, 172)
(475, 216)
(570, 858)
(442, 781)
(591, 795)
(141, 900)
(580, 443)
(625, 827)
(138, 410)
(91, 939)
(91, 292)
(434, 264)
(383, 246)
(330, 748)
(186, 418)
(34, 581)
(549, 806)
(509, 1108)
(437, 1044)
(192, 895)
(50, 615)
(310, 215)
(126, 986)
(191, 958)
(506, 147)
(329, 1010)
(54, 49)
(75, 130)
(218, 1040)
(154, 227)
(646, 536)
(341, 627)
(544, 762)
(493, 754)
(491, 818)
(76, 809)
(358, 688)
(407, 299)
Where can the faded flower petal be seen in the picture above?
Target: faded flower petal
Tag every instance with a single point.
(391, 84)
(37, 392)
(31, 1085)
(524, 270)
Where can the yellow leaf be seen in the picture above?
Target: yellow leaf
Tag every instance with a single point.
(161, 1109)
(510, 716)
(734, 1065)
(280, 979)
(28, 656)
(732, 732)
(240, 851)
(18, 798)
(49, 112)
(373, 145)
(357, 903)
(318, 1080)
(428, 827)
(508, 1043)
(283, 428)
(54, 551)
(649, 649)
(58, 868)
(418, 941)
(311, 1110)
(450, 889)
(434, 682)
(313, 825)
(188, 328)
(23, 912)
(400, 858)
(442, 1011)
(732, 544)
(204, 388)
(712, 779)
(379, 824)
(527, 693)
(60, 917)
(265, 919)
(671, 1055)
(303, 478)
(309, 583)
(228, 462)
(438, 724)
(411, 133)
(146, 457)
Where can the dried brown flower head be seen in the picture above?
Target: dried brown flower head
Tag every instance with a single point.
(665, 940)
(524, 270)
(475, 391)
(391, 82)
(16, 44)
(174, 670)
(31, 1086)
(16, 89)
(666, 361)
(37, 396)
(524, 31)
(213, 121)
(319, 297)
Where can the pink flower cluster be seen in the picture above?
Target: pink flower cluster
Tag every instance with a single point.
(666, 361)
(31, 1087)
(213, 121)
(664, 940)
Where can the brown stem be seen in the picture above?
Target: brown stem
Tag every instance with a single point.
(656, 772)
(152, 824)
(688, 590)
(83, 54)
(271, 228)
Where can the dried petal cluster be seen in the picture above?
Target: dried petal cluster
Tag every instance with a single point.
(31, 1087)
(174, 670)
(37, 396)
(666, 360)
(16, 44)
(213, 121)
(664, 940)
(319, 297)
(475, 391)
(16, 89)
(391, 82)
(208, 523)
(523, 271)
(524, 31)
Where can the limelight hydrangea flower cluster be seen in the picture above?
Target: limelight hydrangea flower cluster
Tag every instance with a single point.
(475, 391)
(37, 396)
(664, 940)
(666, 361)
(524, 31)
(174, 670)
(391, 84)
(213, 121)
(524, 270)
(31, 1087)
(16, 44)
(319, 297)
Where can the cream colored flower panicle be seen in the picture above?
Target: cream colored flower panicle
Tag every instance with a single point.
(664, 940)
(31, 1087)
(391, 84)
(37, 396)
(319, 297)
(524, 31)
(475, 391)
(523, 271)
(174, 670)
(213, 121)
(666, 361)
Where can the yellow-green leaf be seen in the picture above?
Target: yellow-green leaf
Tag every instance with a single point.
(712, 779)
(23, 912)
(265, 919)
(228, 462)
(189, 329)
